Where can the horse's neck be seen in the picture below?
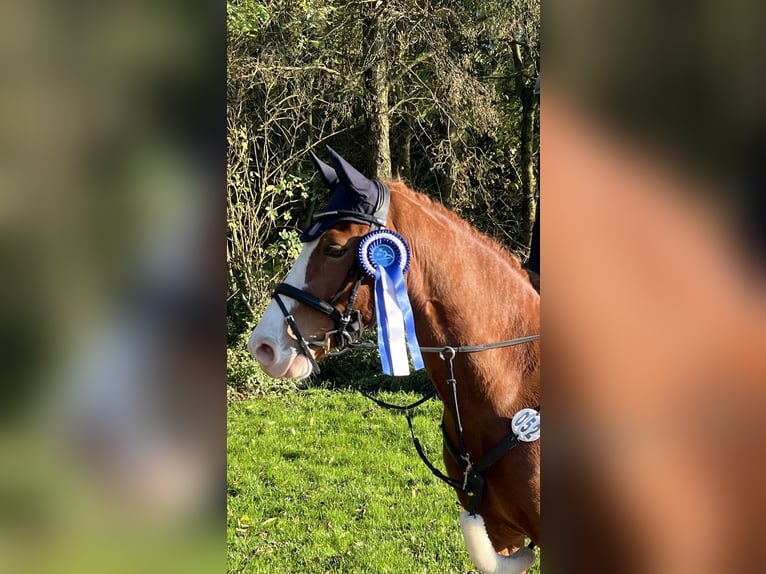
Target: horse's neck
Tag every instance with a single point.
(465, 291)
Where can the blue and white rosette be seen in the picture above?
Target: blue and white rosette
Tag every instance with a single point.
(385, 256)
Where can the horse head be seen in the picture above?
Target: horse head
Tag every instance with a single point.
(325, 301)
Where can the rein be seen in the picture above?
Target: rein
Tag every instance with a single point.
(525, 427)
(462, 349)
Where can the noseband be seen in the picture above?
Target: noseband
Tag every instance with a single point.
(348, 324)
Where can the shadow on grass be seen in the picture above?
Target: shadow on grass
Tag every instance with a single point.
(356, 369)
(360, 370)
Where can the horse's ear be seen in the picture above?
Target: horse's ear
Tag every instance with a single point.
(326, 172)
(350, 176)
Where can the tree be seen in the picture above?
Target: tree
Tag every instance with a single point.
(376, 86)
(439, 92)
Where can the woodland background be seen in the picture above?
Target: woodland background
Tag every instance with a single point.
(439, 93)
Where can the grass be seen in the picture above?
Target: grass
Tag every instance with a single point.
(327, 482)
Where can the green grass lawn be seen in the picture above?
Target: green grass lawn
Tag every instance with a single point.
(326, 481)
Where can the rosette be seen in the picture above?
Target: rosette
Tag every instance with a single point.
(385, 256)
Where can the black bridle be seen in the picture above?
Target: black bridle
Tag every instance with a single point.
(348, 326)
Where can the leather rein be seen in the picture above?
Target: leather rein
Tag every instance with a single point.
(525, 427)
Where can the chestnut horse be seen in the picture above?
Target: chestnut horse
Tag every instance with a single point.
(464, 290)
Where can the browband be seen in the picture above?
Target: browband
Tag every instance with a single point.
(378, 218)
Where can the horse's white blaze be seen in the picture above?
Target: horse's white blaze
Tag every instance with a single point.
(272, 329)
(483, 554)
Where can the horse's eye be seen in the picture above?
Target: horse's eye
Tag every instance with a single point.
(335, 251)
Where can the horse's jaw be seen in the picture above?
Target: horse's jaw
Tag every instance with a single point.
(483, 554)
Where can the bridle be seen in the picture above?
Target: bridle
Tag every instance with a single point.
(348, 325)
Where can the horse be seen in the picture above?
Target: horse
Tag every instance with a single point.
(465, 289)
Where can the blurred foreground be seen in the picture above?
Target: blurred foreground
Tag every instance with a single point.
(112, 413)
(112, 400)
(654, 313)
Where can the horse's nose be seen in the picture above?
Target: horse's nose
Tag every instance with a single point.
(263, 350)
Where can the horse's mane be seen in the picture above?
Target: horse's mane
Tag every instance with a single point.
(528, 358)
(399, 186)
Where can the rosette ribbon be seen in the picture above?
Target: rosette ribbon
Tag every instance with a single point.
(385, 256)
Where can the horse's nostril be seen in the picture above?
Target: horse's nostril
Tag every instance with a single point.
(264, 354)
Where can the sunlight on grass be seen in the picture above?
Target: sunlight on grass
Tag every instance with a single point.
(323, 481)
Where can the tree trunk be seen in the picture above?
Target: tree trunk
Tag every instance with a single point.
(451, 188)
(402, 164)
(525, 91)
(376, 89)
(528, 164)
